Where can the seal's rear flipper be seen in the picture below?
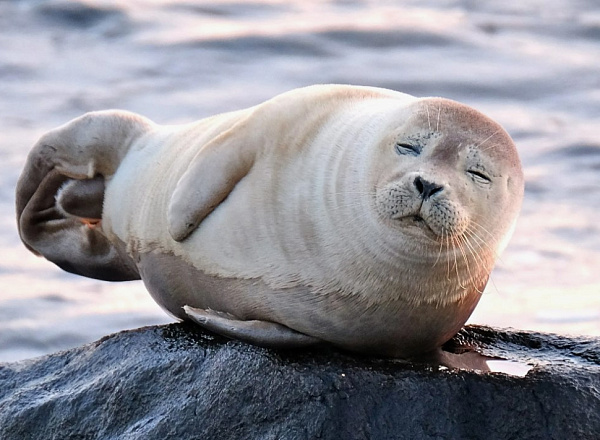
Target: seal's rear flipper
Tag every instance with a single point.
(69, 241)
(82, 199)
(88, 149)
(262, 333)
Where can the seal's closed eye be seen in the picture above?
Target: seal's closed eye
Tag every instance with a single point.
(479, 177)
(404, 148)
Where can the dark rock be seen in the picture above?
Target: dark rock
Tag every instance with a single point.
(178, 382)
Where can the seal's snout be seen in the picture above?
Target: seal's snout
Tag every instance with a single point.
(425, 188)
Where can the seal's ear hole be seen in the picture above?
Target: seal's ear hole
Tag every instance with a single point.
(82, 198)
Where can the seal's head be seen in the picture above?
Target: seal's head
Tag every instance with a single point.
(449, 179)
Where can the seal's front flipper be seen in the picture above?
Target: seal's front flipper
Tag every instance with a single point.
(262, 333)
(210, 177)
(468, 360)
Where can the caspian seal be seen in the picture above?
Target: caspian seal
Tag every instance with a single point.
(358, 216)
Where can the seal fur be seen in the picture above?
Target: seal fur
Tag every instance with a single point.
(358, 216)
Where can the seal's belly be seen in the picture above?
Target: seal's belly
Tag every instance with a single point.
(391, 330)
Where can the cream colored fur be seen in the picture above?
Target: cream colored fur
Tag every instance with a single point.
(301, 212)
(304, 191)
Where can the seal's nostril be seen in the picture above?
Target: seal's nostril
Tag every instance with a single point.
(419, 185)
(426, 188)
(433, 189)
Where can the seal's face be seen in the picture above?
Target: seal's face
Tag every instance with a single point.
(451, 177)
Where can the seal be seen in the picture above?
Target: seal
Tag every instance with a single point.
(357, 216)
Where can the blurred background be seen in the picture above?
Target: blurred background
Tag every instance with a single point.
(533, 66)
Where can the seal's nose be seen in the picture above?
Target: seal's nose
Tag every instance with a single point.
(426, 188)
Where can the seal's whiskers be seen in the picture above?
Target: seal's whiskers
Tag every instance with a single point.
(440, 250)
(448, 259)
(487, 139)
(489, 247)
(460, 281)
(428, 120)
(479, 264)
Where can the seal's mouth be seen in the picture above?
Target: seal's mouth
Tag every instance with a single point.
(416, 221)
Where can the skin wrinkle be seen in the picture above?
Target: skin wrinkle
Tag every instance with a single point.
(303, 210)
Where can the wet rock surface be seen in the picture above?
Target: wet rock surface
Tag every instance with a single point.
(176, 381)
